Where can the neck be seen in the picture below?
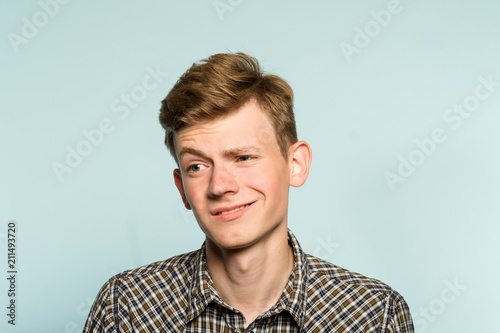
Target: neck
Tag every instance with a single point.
(252, 279)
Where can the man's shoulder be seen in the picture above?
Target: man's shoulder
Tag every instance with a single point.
(325, 272)
(352, 302)
(145, 295)
(176, 269)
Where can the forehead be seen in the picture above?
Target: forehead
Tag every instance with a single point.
(247, 126)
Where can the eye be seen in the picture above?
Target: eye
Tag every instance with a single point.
(194, 168)
(244, 158)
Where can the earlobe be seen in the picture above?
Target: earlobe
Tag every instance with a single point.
(300, 162)
(180, 187)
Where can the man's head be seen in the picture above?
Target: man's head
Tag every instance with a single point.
(219, 86)
(232, 133)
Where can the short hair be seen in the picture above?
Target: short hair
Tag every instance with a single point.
(220, 85)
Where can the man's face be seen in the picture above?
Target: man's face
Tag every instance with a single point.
(234, 177)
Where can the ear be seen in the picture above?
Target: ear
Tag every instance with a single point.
(180, 187)
(299, 159)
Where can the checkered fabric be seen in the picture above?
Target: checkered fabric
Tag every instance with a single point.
(178, 295)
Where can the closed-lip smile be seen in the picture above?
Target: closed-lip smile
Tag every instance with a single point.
(230, 209)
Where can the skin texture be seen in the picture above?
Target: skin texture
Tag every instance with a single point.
(234, 163)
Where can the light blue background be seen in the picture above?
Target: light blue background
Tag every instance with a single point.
(119, 209)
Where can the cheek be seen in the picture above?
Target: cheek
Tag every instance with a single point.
(267, 179)
(194, 190)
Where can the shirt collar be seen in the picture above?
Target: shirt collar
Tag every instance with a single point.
(294, 296)
(292, 300)
(202, 290)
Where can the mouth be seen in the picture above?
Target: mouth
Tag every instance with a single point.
(228, 210)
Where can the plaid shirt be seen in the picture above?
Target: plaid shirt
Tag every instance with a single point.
(178, 295)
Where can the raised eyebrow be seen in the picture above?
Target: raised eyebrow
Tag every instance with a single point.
(191, 151)
(233, 151)
(242, 150)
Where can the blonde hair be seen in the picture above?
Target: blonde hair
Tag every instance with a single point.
(221, 84)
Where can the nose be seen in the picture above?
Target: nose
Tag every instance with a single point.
(222, 181)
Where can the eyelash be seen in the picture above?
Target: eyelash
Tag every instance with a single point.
(190, 168)
(243, 158)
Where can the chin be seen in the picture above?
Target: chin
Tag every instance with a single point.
(234, 241)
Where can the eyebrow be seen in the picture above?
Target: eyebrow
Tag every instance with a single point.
(231, 152)
(242, 150)
(191, 151)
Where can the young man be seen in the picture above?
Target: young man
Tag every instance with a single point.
(231, 130)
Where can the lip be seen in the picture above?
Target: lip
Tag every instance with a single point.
(217, 213)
